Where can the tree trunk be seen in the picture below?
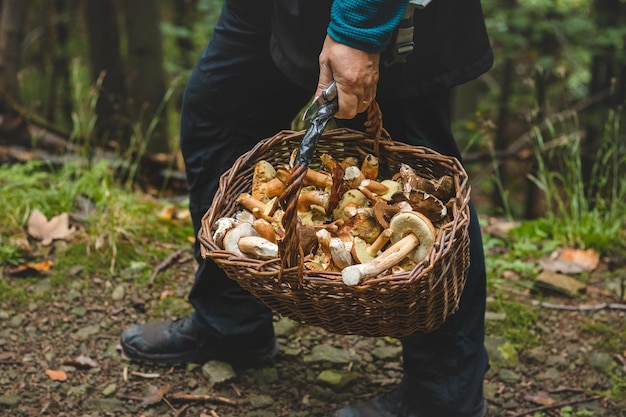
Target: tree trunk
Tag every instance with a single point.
(12, 126)
(146, 74)
(104, 46)
(607, 82)
(58, 99)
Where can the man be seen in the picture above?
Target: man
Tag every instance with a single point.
(260, 68)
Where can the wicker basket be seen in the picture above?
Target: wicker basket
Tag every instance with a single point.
(396, 305)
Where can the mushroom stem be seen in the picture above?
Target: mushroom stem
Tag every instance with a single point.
(258, 247)
(369, 167)
(353, 176)
(318, 179)
(354, 274)
(374, 186)
(340, 253)
(313, 197)
(380, 241)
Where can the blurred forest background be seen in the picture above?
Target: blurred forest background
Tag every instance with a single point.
(107, 76)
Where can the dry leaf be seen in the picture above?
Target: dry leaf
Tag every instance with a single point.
(39, 227)
(81, 362)
(56, 375)
(540, 398)
(154, 395)
(588, 259)
(28, 268)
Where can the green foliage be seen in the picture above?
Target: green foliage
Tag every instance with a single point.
(117, 224)
(581, 213)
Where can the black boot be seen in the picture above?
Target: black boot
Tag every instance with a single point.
(397, 403)
(183, 341)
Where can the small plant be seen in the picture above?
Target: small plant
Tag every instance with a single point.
(579, 213)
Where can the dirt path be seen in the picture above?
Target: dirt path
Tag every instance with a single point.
(73, 326)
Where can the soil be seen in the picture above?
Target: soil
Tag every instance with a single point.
(75, 328)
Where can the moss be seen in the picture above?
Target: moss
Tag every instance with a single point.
(517, 325)
(612, 339)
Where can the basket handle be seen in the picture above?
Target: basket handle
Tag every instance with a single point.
(290, 249)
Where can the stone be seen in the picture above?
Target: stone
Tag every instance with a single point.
(260, 400)
(9, 399)
(563, 284)
(118, 293)
(502, 354)
(217, 372)
(330, 354)
(285, 326)
(106, 405)
(601, 362)
(109, 390)
(386, 352)
(331, 377)
(509, 376)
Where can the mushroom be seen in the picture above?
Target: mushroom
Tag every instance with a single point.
(317, 178)
(369, 167)
(363, 252)
(263, 173)
(392, 188)
(265, 229)
(313, 198)
(323, 241)
(231, 239)
(220, 227)
(349, 161)
(353, 177)
(258, 247)
(412, 236)
(350, 196)
(427, 204)
(407, 177)
(340, 253)
(257, 207)
(384, 211)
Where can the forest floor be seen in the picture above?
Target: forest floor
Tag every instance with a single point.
(59, 357)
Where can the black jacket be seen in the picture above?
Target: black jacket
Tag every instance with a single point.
(451, 46)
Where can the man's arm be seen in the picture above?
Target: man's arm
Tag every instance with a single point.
(358, 32)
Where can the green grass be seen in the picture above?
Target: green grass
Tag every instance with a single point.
(116, 228)
(517, 325)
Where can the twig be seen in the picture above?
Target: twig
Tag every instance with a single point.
(585, 307)
(556, 405)
(169, 261)
(208, 398)
(181, 410)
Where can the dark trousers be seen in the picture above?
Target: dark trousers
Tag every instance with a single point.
(237, 96)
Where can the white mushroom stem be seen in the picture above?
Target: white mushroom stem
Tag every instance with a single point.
(340, 253)
(354, 274)
(258, 247)
(323, 240)
(380, 241)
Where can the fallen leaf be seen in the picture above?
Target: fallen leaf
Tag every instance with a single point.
(588, 258)
(28, 268)
(153, 395)
(81, 362)
(56, 375)
(39, 227)
(540, 398)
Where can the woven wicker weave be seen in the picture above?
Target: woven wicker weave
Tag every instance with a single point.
(396, 305)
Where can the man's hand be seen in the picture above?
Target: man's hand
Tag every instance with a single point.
(356, 74)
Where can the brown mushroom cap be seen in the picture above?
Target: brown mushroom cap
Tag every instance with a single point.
(428, 205)
(413, 222)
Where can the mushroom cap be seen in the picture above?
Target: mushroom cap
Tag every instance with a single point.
(231, 240)
(427, 204)
(407, 222)
(359, 250)
(221, 227)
